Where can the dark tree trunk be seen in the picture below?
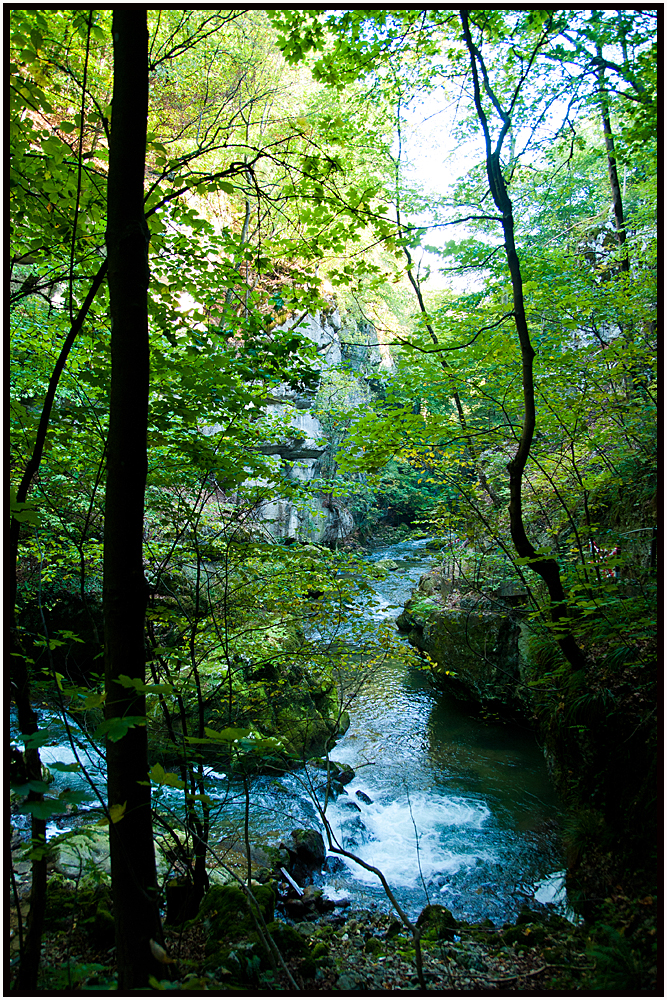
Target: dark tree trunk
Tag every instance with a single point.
(27, 721)
(125, 592)
(546, 568)
(616, 197)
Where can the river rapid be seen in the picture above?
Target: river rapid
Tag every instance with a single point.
(454, 809)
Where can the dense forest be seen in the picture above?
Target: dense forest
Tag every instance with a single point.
(287, 286)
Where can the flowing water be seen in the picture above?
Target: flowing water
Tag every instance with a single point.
(454, 809)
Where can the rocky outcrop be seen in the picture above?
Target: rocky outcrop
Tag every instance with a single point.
(478, 643)
(301, 452)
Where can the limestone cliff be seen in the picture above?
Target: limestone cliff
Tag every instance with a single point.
(302, 453)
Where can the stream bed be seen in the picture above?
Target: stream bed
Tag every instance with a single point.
(454, 809)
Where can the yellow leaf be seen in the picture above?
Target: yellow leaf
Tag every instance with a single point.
(160, 954)
(116, 814)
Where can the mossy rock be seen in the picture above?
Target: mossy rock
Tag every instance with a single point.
(89, 902)
(289, 942)
(226, 914)
(343, 723)
(373, 946)
(83, 853)
(305, 735)
(437, 923)
(524, 935)
(320, 952)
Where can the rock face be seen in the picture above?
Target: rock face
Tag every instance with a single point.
(301, 454)
(478, 644)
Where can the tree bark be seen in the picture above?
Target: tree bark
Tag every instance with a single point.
(133, 876)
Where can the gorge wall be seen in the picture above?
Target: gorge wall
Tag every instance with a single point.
(301, 456)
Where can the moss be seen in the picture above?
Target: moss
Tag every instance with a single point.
(437, 923)
(289, 942)
(226, 913)
(320, 952)
(373, 946)
(305, 734)
(524, 936)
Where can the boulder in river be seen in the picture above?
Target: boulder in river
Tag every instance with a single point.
(478, 646)
(307, 847)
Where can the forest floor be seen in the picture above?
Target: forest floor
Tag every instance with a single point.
(347, 951)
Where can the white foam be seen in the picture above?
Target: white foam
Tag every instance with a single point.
(408, 841)
(552, 890)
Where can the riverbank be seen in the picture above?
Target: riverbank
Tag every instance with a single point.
(454, 808)
(347, 951)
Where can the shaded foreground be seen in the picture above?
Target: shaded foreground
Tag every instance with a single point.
(333, 948)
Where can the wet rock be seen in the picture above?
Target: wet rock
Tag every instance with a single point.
(342, 773)
(335, 865)
(363, 797)
(307, 846)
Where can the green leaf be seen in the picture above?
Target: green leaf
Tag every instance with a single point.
(30, 786)
(141, 688)
(118, 727)
(158, 774)
(227, 735)
(39, 739)
(43, 808)
(25, 513)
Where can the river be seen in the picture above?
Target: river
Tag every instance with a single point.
(453, 808)
(462, 811)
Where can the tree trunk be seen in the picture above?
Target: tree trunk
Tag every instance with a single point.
(546, 568)
(133, 876)
(616, 197)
